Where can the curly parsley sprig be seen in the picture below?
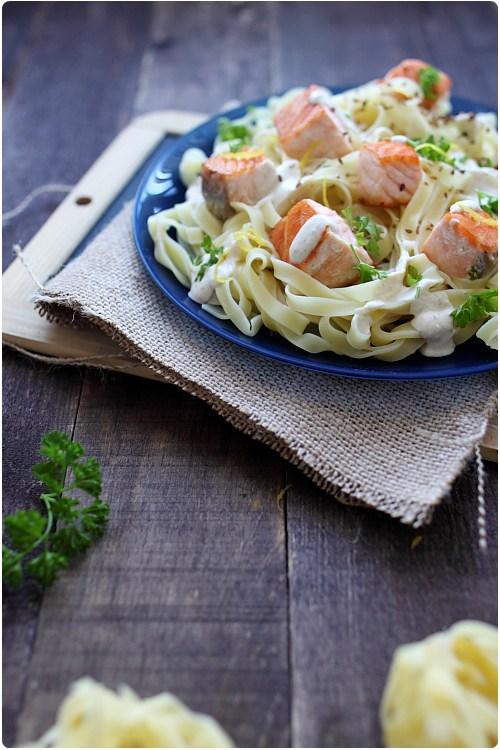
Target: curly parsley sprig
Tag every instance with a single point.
(432, 150)
(365, 230)
(366, 272)
(476, 306)
(68, 528)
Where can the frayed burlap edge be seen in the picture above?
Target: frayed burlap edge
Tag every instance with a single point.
(63, 311)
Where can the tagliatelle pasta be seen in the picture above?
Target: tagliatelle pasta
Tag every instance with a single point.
(94, 716)
(443, 691)
(240, 276)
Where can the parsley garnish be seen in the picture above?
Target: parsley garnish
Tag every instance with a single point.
(427, 78)
(231, 131)
(429, 149)
(478, 305)
(367, 272)
(413, 276)
(214, 254)
(77, 526)
(485, 162)
(488, 203)
(365, 230)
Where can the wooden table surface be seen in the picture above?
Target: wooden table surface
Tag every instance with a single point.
(279, 619)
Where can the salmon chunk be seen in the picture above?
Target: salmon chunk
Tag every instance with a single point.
(464, 244)
(319, 242)
(312, 129)
(245, 177)
(388, 173)
(413, 69)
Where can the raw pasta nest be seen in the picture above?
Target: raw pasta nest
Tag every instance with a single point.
(443, 691)
(253, 287)
(94, 716)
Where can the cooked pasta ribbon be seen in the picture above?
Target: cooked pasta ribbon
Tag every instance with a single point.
(245, 281)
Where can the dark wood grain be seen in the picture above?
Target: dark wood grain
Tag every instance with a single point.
(279, 621)
(187, 592)
(206, 54)
(223, 615)
(358, 589)
(68, 92)
(78, 72)
(35, 400)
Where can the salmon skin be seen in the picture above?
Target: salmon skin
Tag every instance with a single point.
(388, 173)
(464, 244)
(412, 69)
(246, 177)
(311, 129)
(329, 253)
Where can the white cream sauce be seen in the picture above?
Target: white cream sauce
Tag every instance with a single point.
(389, 290)
(433, 321)
(309, 235)
(201, 291)
(227, 265)
(289, 176)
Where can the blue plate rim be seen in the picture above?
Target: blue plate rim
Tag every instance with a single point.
(292, 358)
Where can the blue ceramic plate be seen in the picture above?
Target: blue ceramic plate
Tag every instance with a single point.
(161, 188)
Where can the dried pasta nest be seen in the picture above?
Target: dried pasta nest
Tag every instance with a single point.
(443, 691)
(94, 716)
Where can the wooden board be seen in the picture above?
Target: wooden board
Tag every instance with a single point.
(61, 234)
(194, 511)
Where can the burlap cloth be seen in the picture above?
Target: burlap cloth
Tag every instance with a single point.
(394, 446)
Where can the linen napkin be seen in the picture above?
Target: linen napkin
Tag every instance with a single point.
(394, 446)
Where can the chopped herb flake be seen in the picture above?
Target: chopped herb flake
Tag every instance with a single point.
(239, 134)
(428, 78)
(477, 306)
(413, 276)
(214, 253)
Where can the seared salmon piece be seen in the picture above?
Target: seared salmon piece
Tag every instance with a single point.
(319, 242)
(246, 177)
(312, 129)
(413, 69)
(388, 173)
(464, 244)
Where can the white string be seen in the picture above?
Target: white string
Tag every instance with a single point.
(481, 502)
(85, 360)
(49, 188)
(19, 254)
